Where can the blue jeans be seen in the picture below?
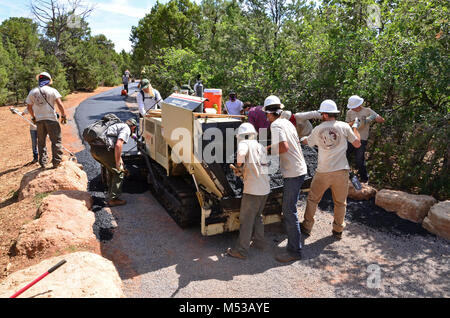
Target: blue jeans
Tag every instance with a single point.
(291, 191)
(33, 134)
(360, 159)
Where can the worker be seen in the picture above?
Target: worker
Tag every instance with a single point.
(234, 106)
(148, 98)
(258, 119)
(303, 124)
(332, 171)
(366, 116)
(252, 163)
(110, 157)
(33, 135)
(198, 87)
(286, 144)
(41, 105)
(125, 79)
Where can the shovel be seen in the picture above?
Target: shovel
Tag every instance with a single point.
(52, 269)
(15, 111)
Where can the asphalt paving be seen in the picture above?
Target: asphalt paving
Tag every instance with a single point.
(156, 258)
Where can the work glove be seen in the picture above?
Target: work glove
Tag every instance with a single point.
(370, 119)
(356, 123)
(33, 120)
(63, 120)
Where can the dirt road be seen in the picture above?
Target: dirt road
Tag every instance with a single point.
(380, 255)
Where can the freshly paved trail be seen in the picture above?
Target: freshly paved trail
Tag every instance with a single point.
(380, 255)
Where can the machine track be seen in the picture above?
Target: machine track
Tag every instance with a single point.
(175, 194)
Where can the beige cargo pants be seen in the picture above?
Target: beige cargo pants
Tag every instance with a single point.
(338, 182)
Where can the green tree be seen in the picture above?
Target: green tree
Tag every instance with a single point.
(21, 41)
(5, 68)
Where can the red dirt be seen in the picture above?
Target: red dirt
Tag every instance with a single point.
(15, 145)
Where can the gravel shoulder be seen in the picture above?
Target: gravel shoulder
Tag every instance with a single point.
(155, 258)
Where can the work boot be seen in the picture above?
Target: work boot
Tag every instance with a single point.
(285, 257)
(337, 235)
(258, 245)
(304, 231)
(115, 202)
(232, 252)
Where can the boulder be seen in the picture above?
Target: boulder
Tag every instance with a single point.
(68, 176)
(64, 221)
(84, 275)
(366, 193)
(408, 206)
(438, 219)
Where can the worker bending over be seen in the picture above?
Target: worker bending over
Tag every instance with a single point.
(110, 157)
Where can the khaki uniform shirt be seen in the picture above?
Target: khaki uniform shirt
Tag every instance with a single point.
(363, 114)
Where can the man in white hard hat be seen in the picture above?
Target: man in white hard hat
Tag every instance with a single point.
(286, 144)
(332, 171)
(252, 157)
(366, 116)
(41, 106)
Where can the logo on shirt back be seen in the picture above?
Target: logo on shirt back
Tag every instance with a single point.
(329, 137)
(40, 99)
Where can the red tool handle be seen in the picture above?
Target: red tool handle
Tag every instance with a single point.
(52, 269)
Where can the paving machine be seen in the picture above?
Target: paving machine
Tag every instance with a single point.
(188, 155)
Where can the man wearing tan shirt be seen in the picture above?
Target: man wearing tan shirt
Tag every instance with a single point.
(366, 116)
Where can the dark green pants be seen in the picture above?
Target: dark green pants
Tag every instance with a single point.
(53, 130)
(115, 177)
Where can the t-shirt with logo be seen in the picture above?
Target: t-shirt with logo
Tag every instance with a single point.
(363, 114)
(234, 108)
(43, 103)
(292, 162)
(116, 131)
(331, 137)
(256, 167)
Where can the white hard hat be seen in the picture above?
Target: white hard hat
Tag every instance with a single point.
(286, 114)
(43, 74)
(246, 129)
(272, 100)
(46, 75)
(328, 106)
(354, 101)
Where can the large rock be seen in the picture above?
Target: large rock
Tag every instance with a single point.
(85, 275)
(438, 219)
(366, 193)
(64, 221)
(68, 176)
(407, 206)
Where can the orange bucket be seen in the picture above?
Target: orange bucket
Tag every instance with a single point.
(214, 96)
